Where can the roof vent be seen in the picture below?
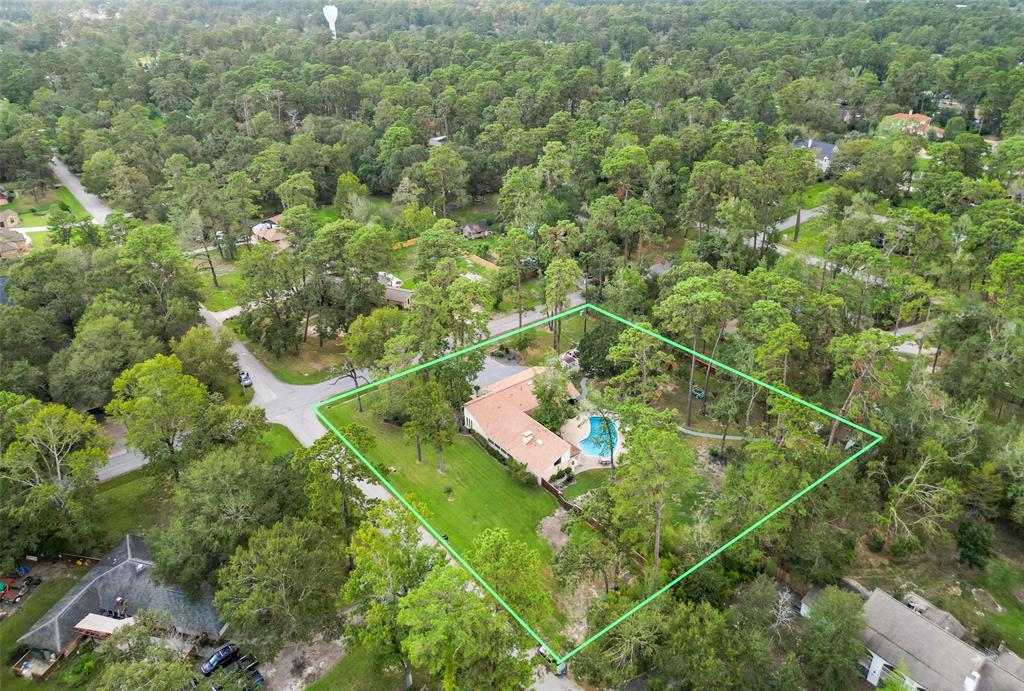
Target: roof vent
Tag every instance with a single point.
(139, 568)
(540, 442)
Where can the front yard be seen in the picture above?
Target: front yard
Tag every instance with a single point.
(34, 213)
(475, 493)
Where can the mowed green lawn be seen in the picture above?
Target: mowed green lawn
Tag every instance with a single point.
(36, 212)
(483, 494)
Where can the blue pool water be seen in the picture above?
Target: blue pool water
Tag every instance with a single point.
(601, 438)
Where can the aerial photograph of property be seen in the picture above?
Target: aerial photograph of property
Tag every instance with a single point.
(459, 345)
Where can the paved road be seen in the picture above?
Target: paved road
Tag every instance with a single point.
(92, 204)
(710, 435)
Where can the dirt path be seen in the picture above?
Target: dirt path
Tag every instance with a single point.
(301, 664)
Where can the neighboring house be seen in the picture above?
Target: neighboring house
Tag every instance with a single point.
(399, 297)
(437, 141)
(388, 280)
(116, 588)
(267, 231)
(3, 291)
(909, 123)
(12, 244)
(501, 415)
(823, 152)
(5, 197)
(475, 230)
(9, 218)
(926, 640)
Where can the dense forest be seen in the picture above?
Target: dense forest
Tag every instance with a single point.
(653, 158)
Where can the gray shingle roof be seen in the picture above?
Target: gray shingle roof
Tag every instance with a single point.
(935, 658)
(125, 572)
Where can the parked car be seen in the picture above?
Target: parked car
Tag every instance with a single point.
(220, 658)
(255, 679)
(244, 379)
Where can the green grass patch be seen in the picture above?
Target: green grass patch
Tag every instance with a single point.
(814, 196)
(1002, 581)
(812, 236)
(40, 239)
(475, 493)
(587, 481)
(35, 212)
(280, 440)
(311, 365)
(222, 296)
(486, 208)
(130, 503)
(359, 670)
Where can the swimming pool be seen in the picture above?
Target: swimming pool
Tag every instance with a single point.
(602, 438)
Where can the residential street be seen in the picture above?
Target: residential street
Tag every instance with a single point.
(93, 204)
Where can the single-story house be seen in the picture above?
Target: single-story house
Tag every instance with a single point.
(399, 297)
(926, 640)
(116, 588)
(12, 244)
(9, 218)
(909, 123)
(267, 231)
(437, 141)
(501, 415)
(475, 230)
(823, 152)
(5, 196)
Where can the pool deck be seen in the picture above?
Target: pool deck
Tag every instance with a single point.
(576, 430)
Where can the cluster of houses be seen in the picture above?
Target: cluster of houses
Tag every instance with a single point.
(927, 643)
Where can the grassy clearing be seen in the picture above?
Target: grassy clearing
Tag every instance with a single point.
(280, 440)
(486, 208)
(814, 196)
(812, 236)
(311, 365)
(476, 492)
(131, 503)
(359, 670)
(544, 343)
(35, 212)
(587, 481)
(221, 297)
(40, 239)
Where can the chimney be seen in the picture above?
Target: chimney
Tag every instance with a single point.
(527, 436)
(972, 681)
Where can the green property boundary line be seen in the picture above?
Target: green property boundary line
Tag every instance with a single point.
(876, 438)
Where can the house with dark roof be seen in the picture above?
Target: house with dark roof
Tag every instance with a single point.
(823, 152)
(927, 641)
(117, 587)
(475, 230)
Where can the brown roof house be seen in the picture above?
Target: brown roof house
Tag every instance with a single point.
(267, 231)
(501, 415)
(12, 244)
(9, 218)
(399, 297)
(927, 640)
(910, 123)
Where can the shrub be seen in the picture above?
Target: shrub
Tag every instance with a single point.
(974, 540)
(905, 547)
(876, 540)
